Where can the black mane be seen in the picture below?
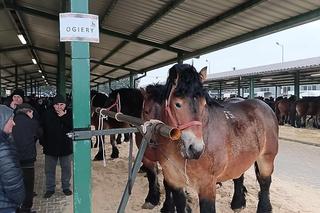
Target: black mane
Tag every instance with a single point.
(189, 83)
(156, 92)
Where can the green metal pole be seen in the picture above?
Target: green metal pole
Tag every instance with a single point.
(131, 81)
(220, 90)
(297, 85)
(239, 86)
(81, 118)
(0, 85)
(16, 77)
(251, 88)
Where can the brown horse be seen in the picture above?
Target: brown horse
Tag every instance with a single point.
(308, 106)
(217, 144)
(285, 110)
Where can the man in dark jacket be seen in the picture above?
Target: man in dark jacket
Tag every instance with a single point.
(25, 134)
(12, 191)
(57, 122)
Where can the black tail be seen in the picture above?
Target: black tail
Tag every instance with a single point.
(256, 169)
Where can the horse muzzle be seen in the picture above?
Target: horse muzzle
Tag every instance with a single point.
(191, 147)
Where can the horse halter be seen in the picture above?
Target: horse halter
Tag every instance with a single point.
(175, 121)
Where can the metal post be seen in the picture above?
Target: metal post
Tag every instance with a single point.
(220, 90)
(16, 77)
(251, 88)
(0, 84)
(180, 58)
(297, 85)
(31, 87)
(25, 84)
(239, 86)
(80, 63)
(131, 81)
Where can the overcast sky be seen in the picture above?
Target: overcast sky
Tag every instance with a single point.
(298, 43)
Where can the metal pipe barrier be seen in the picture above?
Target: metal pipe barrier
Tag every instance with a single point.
(147, 129)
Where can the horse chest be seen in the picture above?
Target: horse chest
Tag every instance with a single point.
(174, 173)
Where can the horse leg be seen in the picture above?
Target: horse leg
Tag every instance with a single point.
(115, 151)
(119, 138)
(180, 200)
(207, 196)
(99, 155)
(264, 179)
(126, 137)
(168, 205)
(153, 196)
(239, 195)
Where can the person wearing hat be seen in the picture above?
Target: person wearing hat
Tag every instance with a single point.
(16, 98)
(12, 190)
(56, 123)
(25, 134)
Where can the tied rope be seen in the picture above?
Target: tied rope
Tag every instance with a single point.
(117, 103)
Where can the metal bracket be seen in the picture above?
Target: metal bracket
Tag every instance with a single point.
(85, 133)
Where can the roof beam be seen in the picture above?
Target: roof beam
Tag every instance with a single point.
(240, 8)
(55, 17)
(162, 12)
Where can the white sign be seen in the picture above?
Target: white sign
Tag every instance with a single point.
(79, 27)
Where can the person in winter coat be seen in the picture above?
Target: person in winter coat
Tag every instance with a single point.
(57, 122)
(16, 98)
(25, 134)
(12, 192)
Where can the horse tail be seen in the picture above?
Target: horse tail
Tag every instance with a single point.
(256, 169)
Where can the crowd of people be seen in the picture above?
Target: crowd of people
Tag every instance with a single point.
(24, 121)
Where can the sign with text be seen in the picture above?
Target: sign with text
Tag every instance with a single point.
(79, 27)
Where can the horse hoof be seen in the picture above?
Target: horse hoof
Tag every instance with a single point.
(148, 205)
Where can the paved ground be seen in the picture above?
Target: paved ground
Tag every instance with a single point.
(296, 161)
(58, 203)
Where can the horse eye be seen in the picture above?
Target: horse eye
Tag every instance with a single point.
(178, 105)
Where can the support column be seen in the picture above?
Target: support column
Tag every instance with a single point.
(25, 84)
(31, 86)
(61, 76)
(297, 85)
(220, 90)
(80, 63)
(239, 86)
(131, 81)
(180, 58)
(16, 77)
(251, 88)
(0, 83)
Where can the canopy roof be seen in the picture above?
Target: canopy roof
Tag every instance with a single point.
(137, 36)
(279, 74)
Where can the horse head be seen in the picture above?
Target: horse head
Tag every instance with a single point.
(185, 100)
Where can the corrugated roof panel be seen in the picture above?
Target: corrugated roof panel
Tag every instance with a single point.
(152, 59)
(101, 70)
(187, 16)
(107, 42)
(98, 7)
(45, 33)
(128, 15)
(18, 57)
(48, 58)
(121, 58)
(118, 74)
(49, 6)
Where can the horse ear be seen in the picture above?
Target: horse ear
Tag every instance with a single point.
(143, 92)
(203, 73)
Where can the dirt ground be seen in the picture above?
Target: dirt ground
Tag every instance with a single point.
(286, 196)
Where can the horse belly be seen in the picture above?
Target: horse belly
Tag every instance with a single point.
(237, 167)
